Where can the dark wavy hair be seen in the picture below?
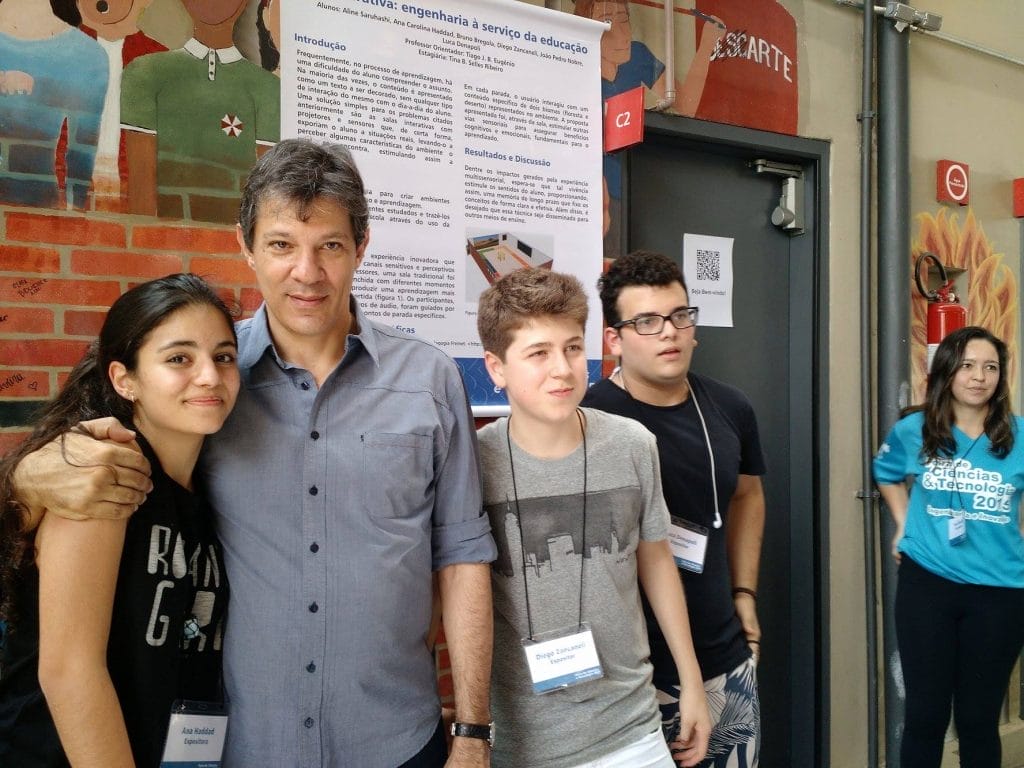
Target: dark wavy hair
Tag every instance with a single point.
(89, 394)
(637, 268)
(525, 295)
(270, 57)
(936, 431)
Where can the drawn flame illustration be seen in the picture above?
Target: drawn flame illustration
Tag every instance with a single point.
(991, 294)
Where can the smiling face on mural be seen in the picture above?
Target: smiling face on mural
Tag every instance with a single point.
(214, 12)
(112, 19)
(615, 43)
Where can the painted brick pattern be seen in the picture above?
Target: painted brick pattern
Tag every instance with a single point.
(61, 270)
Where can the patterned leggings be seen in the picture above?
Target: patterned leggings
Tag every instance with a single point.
(735, 718)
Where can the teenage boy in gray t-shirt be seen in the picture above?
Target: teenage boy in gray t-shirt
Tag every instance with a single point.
(575, 504)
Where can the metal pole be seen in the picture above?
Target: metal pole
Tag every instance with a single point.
(893, 321)
(866, 118)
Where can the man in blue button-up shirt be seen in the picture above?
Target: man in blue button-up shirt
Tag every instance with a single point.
(346, 475)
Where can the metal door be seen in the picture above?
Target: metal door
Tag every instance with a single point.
(681, 183)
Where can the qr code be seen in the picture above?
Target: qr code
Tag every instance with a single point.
(709, 266)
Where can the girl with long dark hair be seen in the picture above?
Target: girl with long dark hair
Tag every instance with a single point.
(960, 596)
(109, 622)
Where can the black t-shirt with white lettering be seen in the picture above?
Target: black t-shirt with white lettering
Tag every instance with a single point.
(165, 634)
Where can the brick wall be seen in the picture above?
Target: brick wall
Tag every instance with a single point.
(60, 271)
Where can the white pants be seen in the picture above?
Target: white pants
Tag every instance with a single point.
(649, 752)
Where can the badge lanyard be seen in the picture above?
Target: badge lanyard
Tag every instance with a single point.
(561, 658)
(957, 526)
(704, 429)
(711, 453)
(519, 521)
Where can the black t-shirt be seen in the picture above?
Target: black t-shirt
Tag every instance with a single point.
(686, 481)
(165, 633)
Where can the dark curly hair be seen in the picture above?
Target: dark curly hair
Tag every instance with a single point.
(636, 268)
(89, 394)
(936, 431)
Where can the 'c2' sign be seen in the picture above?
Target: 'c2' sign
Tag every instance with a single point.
(624, 119)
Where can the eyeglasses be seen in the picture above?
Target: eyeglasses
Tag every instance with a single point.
(650, 325)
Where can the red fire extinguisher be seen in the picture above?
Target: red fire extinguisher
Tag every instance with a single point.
(945, 312)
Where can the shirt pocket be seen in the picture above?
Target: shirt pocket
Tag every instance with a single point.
(398, 474)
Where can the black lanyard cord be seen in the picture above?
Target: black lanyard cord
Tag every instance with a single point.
(519, 521)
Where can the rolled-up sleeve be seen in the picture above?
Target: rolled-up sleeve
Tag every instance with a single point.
(461, 532)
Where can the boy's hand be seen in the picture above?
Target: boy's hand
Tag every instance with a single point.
(96, 472)
(746, 611)
(694, 727)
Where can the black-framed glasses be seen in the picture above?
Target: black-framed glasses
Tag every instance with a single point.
(650, 325)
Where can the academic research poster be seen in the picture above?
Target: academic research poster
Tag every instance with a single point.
(477, 127)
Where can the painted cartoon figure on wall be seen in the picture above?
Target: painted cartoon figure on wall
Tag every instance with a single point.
(115, 26)
(268, 26)
(197, 118)
(52, 81)
(626, 64)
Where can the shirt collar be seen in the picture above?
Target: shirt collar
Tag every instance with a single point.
(224, 55)
(259, 339)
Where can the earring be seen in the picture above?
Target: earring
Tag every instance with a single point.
(130, 396)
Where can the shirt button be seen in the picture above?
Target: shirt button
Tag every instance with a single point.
(315, 435)
(314, 547)
(305, 385)
(311, 667)
(313, 607)
(313, 491)
(308, 722)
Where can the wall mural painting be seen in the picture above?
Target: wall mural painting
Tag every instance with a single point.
(742, 69)
(53, 80)
(96, 114)
(991, 286)
(115, 26)
(752, 74)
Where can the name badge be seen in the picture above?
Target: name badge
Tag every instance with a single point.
(689, 543)
(957, 530)
(195, 735)
(568, 659)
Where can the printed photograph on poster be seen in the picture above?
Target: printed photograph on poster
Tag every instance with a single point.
(496, 254)
(477, 127)
(707, 269)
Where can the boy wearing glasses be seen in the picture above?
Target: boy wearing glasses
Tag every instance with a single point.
(575, 504)
(711, 466)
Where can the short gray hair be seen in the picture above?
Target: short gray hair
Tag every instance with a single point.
(300, 171)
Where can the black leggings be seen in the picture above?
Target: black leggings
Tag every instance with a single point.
(958, 643)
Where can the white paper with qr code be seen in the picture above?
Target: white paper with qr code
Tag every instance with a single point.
(707, 268)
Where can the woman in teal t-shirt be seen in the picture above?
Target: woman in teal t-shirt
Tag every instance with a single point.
(960, 595)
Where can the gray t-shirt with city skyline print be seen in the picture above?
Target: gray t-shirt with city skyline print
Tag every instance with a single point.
(624, 503)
